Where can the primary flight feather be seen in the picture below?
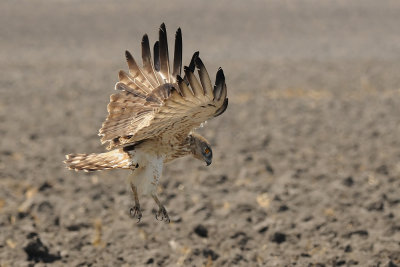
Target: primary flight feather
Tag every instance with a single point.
(152, 117)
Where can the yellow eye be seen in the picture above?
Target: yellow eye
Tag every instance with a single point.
(207, 151)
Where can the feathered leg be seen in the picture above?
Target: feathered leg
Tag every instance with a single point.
(135, 210)
(162, 212)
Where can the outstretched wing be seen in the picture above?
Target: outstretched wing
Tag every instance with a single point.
(188, 105)
(129, 106)
(143, 110)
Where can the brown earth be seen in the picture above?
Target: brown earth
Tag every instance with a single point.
(306, 167)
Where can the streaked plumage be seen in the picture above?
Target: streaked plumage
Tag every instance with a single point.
(153, 114)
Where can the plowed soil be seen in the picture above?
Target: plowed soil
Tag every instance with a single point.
(306, 168)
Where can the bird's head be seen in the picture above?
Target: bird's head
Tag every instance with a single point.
(200, 148)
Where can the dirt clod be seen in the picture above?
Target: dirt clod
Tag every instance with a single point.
(201, 231)
(278, 237)
(37, 251)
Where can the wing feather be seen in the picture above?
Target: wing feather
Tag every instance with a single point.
(136, 72)
(185, 90)
(219, 84)
(222, 108)
(126, 84)
(163, 54)
(153, 102)
(204, 77)
(191, 65)
(194, 83)
(147, 65)
(177, 54)
(156, 52)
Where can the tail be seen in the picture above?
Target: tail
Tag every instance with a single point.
(95, 162)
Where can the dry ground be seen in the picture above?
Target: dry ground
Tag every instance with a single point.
(306, 168)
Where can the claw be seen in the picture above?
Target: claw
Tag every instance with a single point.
(135, 212)
(163, 214)
(161, 211)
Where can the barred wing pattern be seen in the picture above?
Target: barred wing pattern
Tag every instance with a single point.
(104, 161)
(153, 102)
(186, 107)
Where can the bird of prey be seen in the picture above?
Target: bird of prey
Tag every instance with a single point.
(152, 117)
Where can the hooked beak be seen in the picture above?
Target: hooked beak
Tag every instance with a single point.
(208, 162)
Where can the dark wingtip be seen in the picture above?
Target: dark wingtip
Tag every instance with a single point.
(145, 38)
(219, 83)
(179, 78)
(128, 55)
(192, 61)
(220, 75)
(198, 62)
(162, 26)
(156, 52)
(157, 45)
(177, 66)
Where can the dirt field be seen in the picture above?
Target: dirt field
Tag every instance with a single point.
(306, 168)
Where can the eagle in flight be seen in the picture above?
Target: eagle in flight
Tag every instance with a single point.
(152, 117)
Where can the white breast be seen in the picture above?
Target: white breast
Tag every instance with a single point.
(147, 175)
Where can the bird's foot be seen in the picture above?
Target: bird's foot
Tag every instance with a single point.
(163, 215)
(135, 212)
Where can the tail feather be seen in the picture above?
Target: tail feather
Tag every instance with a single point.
(95, 162)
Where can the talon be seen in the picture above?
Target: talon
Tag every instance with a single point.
(135, 212)
(162, 212)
